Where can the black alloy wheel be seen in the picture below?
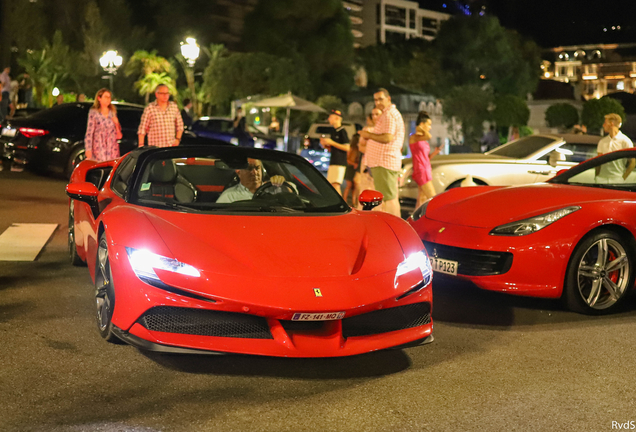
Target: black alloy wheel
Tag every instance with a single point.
(104, 292)
(600, 273)
(77, 155)
(72, 247)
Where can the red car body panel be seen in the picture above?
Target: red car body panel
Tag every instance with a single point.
(266, 266)
(464, 217)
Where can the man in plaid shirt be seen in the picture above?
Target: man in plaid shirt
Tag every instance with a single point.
(384, 151)
(161, 121)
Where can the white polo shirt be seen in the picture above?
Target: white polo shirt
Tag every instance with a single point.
(613, 170)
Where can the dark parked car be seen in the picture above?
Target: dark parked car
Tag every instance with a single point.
(53, 139)
(222, 128)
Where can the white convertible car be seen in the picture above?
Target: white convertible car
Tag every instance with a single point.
(529, 159)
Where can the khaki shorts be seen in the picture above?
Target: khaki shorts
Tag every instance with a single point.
(386, 182)
(336, 173)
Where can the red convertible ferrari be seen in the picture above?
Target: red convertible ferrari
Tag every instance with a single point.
(238, 250)
(571, 237)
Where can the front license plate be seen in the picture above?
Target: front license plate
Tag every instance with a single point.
(444, 266)
(318, 316)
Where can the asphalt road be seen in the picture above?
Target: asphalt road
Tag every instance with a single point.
(498, 363)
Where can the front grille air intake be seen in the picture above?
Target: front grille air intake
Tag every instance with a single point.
(203, 322)
(472, 262)
(387, 320)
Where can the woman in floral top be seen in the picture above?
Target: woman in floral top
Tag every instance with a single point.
(103, 129)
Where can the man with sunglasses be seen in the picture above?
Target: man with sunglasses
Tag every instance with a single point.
(161, 121)
(250, 179)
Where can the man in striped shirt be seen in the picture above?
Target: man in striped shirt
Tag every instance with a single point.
(384, 151)
(161, 121)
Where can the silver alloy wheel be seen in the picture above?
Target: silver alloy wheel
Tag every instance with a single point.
(603, 274)
(103, 284)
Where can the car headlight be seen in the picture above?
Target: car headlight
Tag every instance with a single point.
(144, 264)
(421, 210)
(533, 224)
(417, 260)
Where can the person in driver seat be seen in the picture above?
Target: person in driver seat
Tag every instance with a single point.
(251, 178)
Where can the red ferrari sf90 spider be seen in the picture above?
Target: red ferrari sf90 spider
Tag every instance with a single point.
(237, 250)
(572, 237)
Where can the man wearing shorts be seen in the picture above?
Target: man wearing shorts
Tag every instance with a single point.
(384, 151)
(338, 144)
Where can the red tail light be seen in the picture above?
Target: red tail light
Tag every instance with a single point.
(30, 132)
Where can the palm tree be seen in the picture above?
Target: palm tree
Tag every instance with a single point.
(47, 68)
(150, 68)
(148, 83)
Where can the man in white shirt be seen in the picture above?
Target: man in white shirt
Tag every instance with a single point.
(251, 178)
(614, 171)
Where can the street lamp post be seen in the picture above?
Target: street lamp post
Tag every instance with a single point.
(110, 62)
(190, 52)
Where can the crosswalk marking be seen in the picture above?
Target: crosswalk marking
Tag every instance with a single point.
(23, 242)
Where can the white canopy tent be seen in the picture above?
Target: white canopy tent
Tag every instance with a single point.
(290, 102)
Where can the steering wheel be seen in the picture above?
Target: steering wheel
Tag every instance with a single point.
(268, 188)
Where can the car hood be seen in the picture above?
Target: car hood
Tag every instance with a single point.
(462, 158)
(489, 206)
(357, 243)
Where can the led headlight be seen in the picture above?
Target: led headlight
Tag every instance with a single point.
(144, 264)
(417, 260)
(533, 224)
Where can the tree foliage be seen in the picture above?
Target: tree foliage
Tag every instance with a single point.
(412, 64)
(151, 70)
(594, 111)
(510, 110)
(314, 34)
(479, 51)
(238, 75)
(48, 68)
(561, 115)
(469, 105)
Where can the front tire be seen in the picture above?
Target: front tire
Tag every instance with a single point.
(104, 292)
(600, 274)
(72, 246)
(458, 183)
(77, 155)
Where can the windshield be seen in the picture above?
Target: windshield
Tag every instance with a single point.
(612, 171)
(235, 183)
(523, 147)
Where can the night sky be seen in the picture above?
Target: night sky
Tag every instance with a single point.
(552, 23)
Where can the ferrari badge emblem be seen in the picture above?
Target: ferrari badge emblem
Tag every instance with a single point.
(442, 229)
(317, 292)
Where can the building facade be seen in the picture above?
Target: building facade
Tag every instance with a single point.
(593, 70)
(387, 21)
(228, 18)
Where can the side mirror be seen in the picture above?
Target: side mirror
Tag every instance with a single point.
(370, 199)
(84, 192)
(555, 157)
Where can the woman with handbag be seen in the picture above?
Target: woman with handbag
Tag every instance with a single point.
(103, 129)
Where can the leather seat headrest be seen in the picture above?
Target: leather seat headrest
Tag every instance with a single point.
(162, 171)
